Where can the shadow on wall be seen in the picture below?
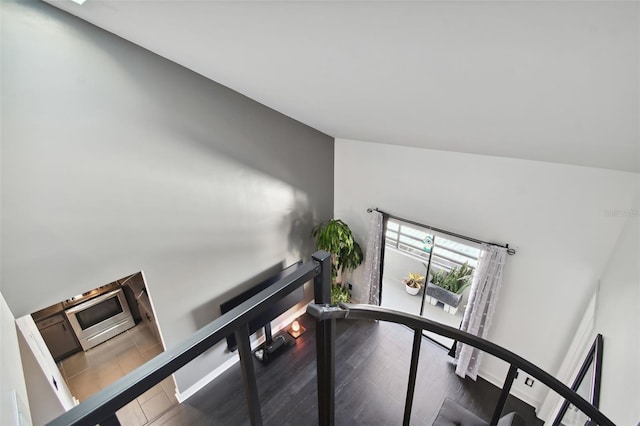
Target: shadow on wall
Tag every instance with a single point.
(160, 175)
(300, 223)
(210, 310)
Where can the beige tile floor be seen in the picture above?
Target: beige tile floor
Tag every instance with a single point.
(88, 372)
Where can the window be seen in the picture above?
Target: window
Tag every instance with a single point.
(418, 242)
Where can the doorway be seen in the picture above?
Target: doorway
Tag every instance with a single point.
(88, 368)
(410, 248)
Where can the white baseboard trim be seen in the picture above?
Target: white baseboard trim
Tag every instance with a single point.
(193, 389)
(235, 358)
(499, 382)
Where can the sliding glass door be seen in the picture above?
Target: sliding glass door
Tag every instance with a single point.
(443, 264)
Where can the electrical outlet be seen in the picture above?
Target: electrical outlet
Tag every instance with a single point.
(529, 382)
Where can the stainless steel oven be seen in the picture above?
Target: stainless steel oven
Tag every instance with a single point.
(100, 318)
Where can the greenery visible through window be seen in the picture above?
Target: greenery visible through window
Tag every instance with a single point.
(417, 242)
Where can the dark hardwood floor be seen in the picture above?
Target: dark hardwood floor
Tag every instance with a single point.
(372, 367)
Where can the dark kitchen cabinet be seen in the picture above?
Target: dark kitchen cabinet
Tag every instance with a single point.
(139, 302)
(146, 312)
(58, 336)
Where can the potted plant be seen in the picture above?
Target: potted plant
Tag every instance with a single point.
(336, 238)
(413, 283)
(340, 294)
(447, 287)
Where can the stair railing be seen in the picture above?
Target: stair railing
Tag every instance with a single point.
(101, 407)
(328, 314)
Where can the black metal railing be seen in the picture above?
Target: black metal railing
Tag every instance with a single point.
(328, 314)
(101, 407)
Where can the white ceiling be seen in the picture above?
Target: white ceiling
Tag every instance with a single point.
(549, 81)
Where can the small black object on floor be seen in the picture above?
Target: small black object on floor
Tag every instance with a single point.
(273, 347)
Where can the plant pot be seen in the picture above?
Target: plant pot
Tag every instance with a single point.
(412, 290)
(450, 300)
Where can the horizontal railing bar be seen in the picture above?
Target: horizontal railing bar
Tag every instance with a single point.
(419, 246)
(115, 396)
(351, 311)
(442, 231)
(425, 258)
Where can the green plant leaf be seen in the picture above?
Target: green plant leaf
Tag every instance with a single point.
(339, 295)
(455, 281)
(414, 280)
(336, 238)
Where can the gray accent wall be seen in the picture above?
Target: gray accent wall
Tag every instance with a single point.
(116, 160)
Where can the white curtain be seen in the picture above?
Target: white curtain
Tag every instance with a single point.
(483, 298)
(371, 294)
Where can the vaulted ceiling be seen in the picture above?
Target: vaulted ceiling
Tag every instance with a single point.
(549, 81)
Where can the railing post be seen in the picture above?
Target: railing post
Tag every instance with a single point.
(413, 371)
(249, 375)
(325, 343)
(112, 420)
(502, 400)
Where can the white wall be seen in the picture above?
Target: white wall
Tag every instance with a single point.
(13, 391)
(555, 215)
(115, 160)
(48, 393)
(618, 319)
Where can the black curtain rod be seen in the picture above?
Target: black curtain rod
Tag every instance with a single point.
(510, 251)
